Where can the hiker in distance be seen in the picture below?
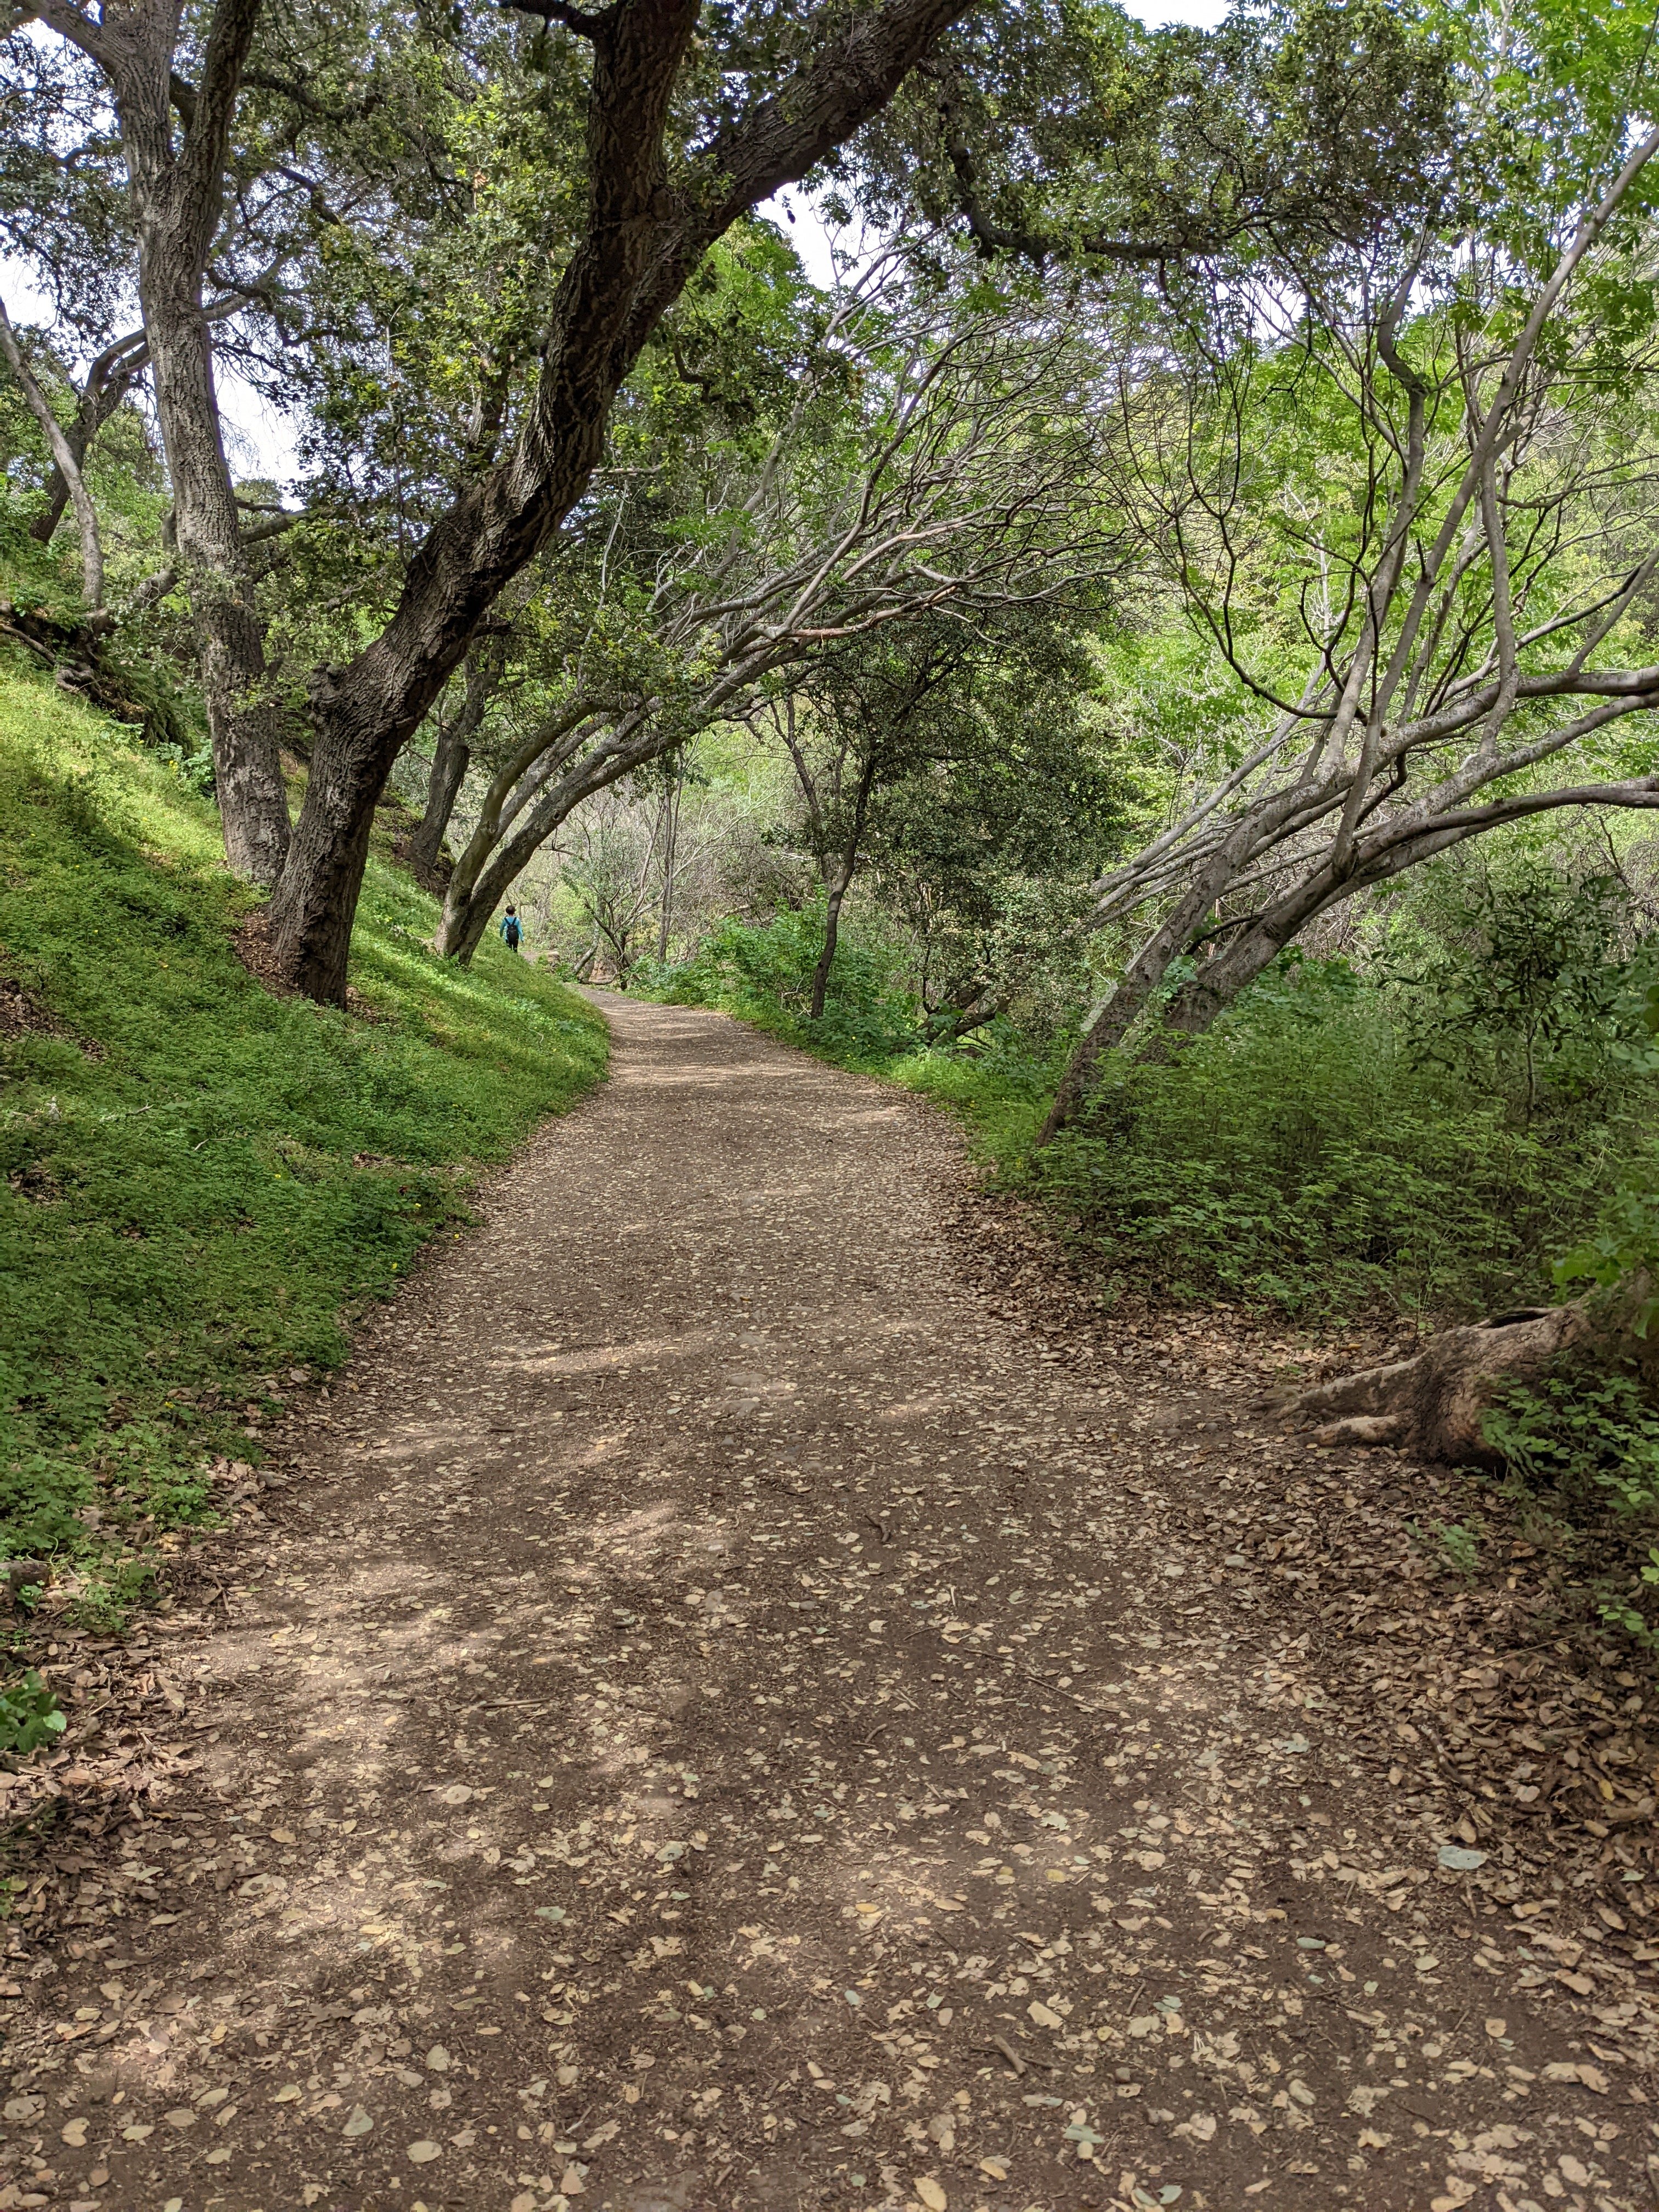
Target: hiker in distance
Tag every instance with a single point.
(512, 935)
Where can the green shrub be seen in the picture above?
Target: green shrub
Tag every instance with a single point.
(763, 972)
(1622, 1249)
(1302, 1155)
(30, 1716)
(1578, 1432)
(1588, 1437)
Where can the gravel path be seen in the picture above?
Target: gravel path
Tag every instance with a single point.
(729, 1720)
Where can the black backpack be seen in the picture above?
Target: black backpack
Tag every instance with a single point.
(511, 934)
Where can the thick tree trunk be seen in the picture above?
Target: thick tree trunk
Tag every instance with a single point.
(642, 240)
(244, 722)
(1435, 1405)
(364, 714)
(1224, 977)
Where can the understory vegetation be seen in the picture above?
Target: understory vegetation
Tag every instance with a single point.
(204, 1183)
(1425, 1124)
(1135, 618)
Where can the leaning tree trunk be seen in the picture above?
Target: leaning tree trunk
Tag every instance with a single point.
(1200, 1002)
(1141, 982)
(67, 463)
(424, 852)
(1435, 1405)
(97, 404)
(644, 236)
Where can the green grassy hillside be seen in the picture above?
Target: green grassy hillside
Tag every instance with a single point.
(199, 1182)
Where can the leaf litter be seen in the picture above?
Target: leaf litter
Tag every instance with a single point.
(924, 1743)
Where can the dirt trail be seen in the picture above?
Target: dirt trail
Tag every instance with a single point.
(729, 1720)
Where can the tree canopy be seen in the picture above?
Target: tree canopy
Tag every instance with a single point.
(1216, 480)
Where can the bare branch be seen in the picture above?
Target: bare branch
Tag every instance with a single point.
(86, 515)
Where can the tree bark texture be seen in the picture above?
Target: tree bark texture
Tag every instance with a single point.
(108, 380)
(1141, 981)
(1434, 1406)
(176, 191)
(827, 956)
(424, 854)
(67, 464)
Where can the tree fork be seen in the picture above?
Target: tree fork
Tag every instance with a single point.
(642, 241)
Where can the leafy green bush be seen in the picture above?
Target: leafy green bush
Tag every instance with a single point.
(199, 1182)
(763, 972)
(1537, 977)
(1622, 1247)
(1586, 1436)
(1579, 1432)
(29, 1716)
(1303, 1154)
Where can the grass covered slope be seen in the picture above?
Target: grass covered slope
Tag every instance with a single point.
(198, 1181)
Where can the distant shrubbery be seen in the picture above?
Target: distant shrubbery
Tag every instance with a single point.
(763, 973)
(1302, 1155)
(1425, 1126)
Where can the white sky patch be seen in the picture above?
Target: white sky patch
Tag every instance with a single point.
(1206, 14)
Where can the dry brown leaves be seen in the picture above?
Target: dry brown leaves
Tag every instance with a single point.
(1498, 1708)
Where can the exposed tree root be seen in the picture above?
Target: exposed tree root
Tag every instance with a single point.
(1434, 1406)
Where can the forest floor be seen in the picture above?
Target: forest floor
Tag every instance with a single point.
(755, 1695)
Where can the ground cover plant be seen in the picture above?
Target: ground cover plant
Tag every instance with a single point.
(203, 1181)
